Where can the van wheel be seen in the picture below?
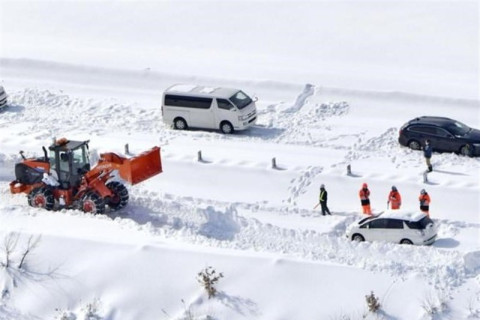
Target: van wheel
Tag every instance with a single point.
(226, 127)
(406, 241)
(414, 145)
(358, 237)
(180, 124)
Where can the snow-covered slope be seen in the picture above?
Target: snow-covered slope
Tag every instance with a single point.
(335, 82)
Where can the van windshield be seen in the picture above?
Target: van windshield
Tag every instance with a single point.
(240, 99)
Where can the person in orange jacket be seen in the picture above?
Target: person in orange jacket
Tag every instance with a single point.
(424, 199)
(394, 199)
(364, 194)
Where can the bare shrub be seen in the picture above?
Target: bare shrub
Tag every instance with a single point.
(434, 304)
(373, 302)
(9, 247)
(208, 279)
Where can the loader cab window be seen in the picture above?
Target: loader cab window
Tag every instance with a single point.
(51, 159)
(80, 160)
(80, 156)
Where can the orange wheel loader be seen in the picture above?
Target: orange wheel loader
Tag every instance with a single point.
(63, 178)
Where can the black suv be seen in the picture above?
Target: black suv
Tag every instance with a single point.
(445, 135)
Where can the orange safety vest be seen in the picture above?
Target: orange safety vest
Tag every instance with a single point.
(364, 194)
(424, 200)
(395, 199)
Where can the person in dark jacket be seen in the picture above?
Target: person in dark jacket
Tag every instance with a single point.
(427, 153)
(323, 200)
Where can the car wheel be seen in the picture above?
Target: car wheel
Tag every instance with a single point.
(226, 127)
(414, 145)
(358, 237)
(465, 150)
(406, 241)
(180, 124)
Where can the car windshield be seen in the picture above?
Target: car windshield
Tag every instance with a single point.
(458, 128)
(240, 99)
(420, 224)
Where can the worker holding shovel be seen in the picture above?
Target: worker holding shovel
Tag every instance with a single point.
(322, 200)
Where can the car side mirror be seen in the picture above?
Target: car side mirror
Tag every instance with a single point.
(255, 99)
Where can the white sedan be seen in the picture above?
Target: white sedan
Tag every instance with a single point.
(395, 226)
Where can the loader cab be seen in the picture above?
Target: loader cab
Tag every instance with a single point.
(70, 161)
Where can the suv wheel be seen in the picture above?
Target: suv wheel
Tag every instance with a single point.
(406, 241)
(414, 145)
(465, 150)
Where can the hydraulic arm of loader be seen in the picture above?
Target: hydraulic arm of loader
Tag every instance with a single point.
(134, 170)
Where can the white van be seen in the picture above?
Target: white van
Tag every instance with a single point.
(227, 109)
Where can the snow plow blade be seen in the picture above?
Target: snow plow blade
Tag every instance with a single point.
(141, 167)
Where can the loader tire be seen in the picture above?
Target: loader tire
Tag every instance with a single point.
(41, 198)
(120, 195)
(93, 203)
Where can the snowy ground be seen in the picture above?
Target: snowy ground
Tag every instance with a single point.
(335, 81)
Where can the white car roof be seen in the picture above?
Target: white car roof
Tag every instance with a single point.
(403, 214)
(196, 90)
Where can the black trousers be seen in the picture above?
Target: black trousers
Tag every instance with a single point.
(325, 208)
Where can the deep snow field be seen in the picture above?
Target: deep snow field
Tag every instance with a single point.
(335, 81)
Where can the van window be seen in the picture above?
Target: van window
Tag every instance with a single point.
(187, 102)
(224, 104)
(240, 99)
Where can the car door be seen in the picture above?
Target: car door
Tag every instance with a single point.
(202, 113)
(376, 230)
(394, 230)
(420, 133)
(446, 140)
(226, 111)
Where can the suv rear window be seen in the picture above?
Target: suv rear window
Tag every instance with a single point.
(420, 224)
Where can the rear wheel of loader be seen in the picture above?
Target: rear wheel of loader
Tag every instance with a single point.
(93, 203)
(120, 195)
(41, 198)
